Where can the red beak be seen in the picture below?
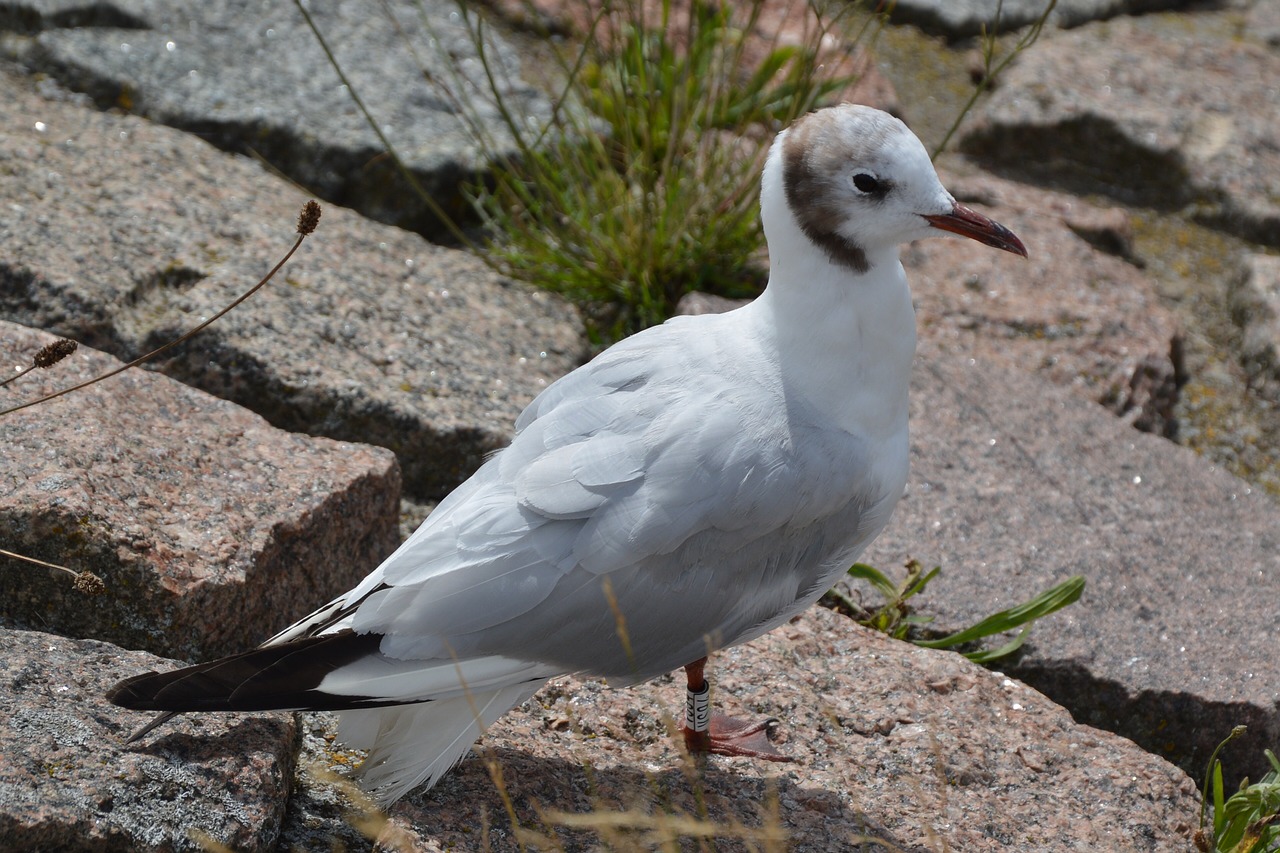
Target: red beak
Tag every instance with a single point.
(969, 223)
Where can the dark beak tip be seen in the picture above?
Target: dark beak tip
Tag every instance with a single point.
(969, 223)
(1015, 245)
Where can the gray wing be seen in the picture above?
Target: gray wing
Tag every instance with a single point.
(654, 504)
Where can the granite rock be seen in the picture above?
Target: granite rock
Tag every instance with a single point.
(69, 784)
(1015, 484)
(249, 76)
(1078, 112)
(370, 333)
(1073, 313)
(1263, 21)
(210, 529)
(1014, 487)
(919, 750)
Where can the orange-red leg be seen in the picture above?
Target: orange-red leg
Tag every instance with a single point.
(719, 734)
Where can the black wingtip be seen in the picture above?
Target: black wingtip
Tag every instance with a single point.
(270, 678)
(156, 722)
(132, 693)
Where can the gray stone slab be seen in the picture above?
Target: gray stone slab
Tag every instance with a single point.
(69, 784)
(32, 17)
(210, 529)
(123, 234)
(957, 19)
(1015, 486)
(1111, 109)
(250, 76)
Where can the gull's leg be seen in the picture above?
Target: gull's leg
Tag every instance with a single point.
(720, 734)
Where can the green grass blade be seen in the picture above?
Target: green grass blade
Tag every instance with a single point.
(989, 655)
(1065, 593)
(1219, 813)
(918, 585)
(875, 577)
(1212, 775)
(843, 600)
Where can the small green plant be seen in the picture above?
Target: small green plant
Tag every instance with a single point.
(895, 617)
(1249, 820)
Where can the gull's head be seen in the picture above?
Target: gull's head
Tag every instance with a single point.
(856, 181)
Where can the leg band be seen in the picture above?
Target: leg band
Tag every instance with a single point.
(697, 708)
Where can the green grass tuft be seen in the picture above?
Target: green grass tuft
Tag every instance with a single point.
(644, 188)
(1249, 820)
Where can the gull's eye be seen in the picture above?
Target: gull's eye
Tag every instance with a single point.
(867, 184)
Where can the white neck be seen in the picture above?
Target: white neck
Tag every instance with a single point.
(845, 340)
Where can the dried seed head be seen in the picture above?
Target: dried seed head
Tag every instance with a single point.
(51, 354)
(308, 218)
(90, 584)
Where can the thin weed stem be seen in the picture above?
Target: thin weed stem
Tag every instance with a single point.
(1208, 773)
(405, 171)
(491, 763)
(306, 224)
(21, 373)
(988, 72)
(207, 842)
(619, 620)
(38, 562)
(365, 815)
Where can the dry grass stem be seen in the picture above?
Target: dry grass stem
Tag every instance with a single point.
(49, 355)
(86, 582)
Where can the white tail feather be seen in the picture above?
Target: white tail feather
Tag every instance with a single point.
(412, 744)
(410, 680)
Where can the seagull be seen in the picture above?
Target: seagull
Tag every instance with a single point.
(691, 488)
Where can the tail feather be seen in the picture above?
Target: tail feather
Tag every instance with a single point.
(264, 679)
(416, 718)
(156, 722)
(412, 744)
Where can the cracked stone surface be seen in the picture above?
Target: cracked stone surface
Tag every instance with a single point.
(68, 783)
(921, 750)
(370, 334)
(249, 76)
(1014, 487)
(210, 529)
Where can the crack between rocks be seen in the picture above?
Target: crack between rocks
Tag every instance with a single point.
(1179, 726)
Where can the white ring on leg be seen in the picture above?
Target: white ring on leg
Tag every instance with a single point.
(697, 708)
